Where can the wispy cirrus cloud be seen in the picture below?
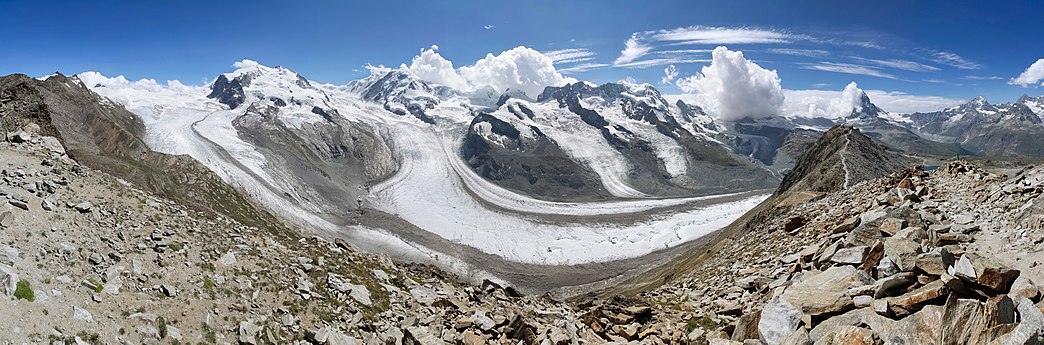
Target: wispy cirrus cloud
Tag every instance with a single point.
(953, 60)
(800, 52)
(980, 77)
(646, 43)
(847, 68)
(571, 55)
(905, 65)
(583, 67)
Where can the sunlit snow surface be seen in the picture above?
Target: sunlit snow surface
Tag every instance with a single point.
(433, 189)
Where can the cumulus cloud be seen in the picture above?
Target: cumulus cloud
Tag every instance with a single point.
(245, 63)
(91, 79)
(828, 104)
(669, 74)
(834, 104)
(1032, 75)
(732, 87)
(432, 67)
(519, 68)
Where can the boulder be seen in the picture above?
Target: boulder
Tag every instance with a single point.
(891, 226)
(873, 257)
(746, 327)
(886, 268)
(934, 262)
(6, 219)
(999, 310)
(84, 207)
(420, 336)
(847, 225)
(1024, 287)
(863, 235)
(963, 269)
(825, 293)
(800, 337)
(1029, 328)
(8, 280)
(922, 327)
(902, 252)
(997, 279)
(779, 319)
(864, 317)
(852, 335)
(888, 286)
(962, 322)
(850, 256)
(912, 301)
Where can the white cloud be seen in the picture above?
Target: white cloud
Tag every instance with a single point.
(821, 103)
(905, 65)
(800, 52)
(571, 55)
(488, 26)
(432, 67)
(660, 62)
(1032, 75)
(954, 60)
(980, 77)
(847, 68)
(732, 87)
(91, 79)
(520, 68)
(245, 63)
(721, 35)
(632, 50)
(584, 67)
(669, 74)
(832, 104)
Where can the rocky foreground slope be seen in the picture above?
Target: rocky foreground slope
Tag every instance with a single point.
(948, 256)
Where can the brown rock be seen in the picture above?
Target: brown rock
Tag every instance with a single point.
(999, 310)
(934, 262)
(891, 226)
(863, 235)
(998, 279)
(951, 238)
(747, 327)
(892, 285)
(852, 335)
(794, 223)
(962, 322)
(922, 327)
(847, 225)
(1024, 287)
(912, 301)
(905, 184)
(873, 257)
(902, 252)
(470, 338)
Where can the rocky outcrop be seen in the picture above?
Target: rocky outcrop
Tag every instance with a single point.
(841, 158)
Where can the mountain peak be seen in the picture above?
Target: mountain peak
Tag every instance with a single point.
(841, 158)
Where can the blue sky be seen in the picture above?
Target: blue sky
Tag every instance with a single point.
(950, 49)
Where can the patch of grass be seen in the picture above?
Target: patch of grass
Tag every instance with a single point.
(161, 323)
(24, 291)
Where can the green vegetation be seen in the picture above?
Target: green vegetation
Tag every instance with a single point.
(24, 291)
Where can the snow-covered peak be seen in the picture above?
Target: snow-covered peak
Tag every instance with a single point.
(1036, 105)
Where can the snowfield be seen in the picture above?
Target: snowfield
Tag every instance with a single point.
(433, 189)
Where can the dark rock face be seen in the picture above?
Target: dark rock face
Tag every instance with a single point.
(402, 94)
(984, 129)
(841, 158)
(535, 166)
(228, 92)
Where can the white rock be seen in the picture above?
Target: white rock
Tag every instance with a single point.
(778, 320)
(82, 314)
(229, 259)
(963, 269)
